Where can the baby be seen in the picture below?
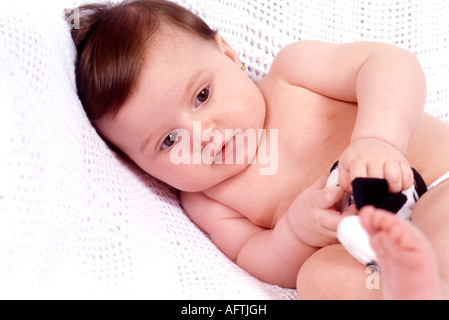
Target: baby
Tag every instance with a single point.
(169, 93)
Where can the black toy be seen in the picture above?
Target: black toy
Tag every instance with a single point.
(372, 191)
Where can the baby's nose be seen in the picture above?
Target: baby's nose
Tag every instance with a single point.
(209, 133)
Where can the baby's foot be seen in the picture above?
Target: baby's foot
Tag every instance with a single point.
(408, 267)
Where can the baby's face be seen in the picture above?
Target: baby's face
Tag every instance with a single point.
(189, 90)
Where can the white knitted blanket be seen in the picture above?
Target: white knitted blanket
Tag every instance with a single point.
(76, 221)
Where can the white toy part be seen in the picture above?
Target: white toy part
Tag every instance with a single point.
(350, 232)
(355, 239)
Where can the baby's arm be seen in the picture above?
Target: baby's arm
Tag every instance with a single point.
(387, 83)
(271, 255)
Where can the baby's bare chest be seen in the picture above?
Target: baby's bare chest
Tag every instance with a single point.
(305, 134)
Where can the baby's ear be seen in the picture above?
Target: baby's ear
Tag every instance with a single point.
(225, 48)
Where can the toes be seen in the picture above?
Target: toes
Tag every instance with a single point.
(373, 219)
(387, 230)
(406, 259)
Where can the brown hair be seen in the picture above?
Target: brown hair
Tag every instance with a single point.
(111, 44)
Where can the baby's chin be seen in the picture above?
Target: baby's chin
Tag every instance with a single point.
(219, 174)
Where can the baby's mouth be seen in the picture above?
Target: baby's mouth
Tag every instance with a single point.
(226, 151)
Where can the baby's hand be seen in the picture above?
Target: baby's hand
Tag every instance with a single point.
(374, 158)
(313, 216)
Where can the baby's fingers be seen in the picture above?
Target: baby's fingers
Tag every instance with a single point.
(344, 179)
(399, 176)
(407, 176)
(360, 170)
(393, 175)
(327, 197)
(329, 220)
(347, 175)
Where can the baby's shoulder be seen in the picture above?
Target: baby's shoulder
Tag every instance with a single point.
(290, 67)
(291, 56)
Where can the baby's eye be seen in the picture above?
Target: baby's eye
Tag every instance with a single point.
(169, 140)
(202, 96)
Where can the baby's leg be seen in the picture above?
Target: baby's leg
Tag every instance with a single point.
(408, 267)
(406, 258)
(431, 216)
(332, 273)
